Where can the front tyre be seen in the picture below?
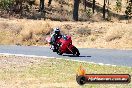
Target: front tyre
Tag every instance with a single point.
(59, 53)
(75, 51)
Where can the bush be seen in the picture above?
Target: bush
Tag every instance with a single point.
(5, 4)
(128, 11)
(118, 6)
(115, 33)
(89, 12)
(84, 32)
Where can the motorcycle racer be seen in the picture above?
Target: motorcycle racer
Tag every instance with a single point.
(55, 35)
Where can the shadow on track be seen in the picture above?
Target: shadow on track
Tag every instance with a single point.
(76, 56)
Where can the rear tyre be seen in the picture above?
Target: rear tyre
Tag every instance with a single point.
(75, 51)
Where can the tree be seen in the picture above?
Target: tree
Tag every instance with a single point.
(104, 9)
(84, 3)
(49, 3)
(75, 10)
(41, 8)
(93, 7)
(108, 12)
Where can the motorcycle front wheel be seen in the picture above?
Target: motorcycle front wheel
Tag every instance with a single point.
(75, 51)
(59, 53)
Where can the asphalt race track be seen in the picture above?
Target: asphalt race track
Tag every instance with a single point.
(99, 56)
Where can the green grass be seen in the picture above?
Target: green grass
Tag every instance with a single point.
(59, 71)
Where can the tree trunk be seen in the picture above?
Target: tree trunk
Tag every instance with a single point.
(75, 10)
(108, 12)
(41, 5)
(49, 3)
(93, 6)
(84, 3)
(104, 10)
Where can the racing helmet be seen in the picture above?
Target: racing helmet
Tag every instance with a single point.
(56, 30)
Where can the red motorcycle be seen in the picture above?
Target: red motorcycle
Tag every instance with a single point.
(64, 45)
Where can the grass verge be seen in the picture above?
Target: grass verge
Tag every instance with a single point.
(30, 72)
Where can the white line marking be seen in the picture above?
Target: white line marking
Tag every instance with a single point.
(113, 65)
(23, 55)
(100, 63)
(108, 64)
(88, 62)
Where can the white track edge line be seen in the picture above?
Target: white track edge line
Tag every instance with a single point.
(89, 62)
(23, 55)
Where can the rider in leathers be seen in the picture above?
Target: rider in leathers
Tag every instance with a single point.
(56, 34)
